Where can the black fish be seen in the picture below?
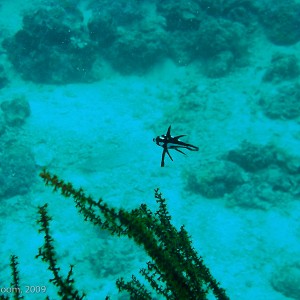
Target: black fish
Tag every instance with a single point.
(169, 142)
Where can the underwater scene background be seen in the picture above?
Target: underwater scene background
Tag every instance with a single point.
(84, 88)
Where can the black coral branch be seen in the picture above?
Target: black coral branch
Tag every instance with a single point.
(175, 271)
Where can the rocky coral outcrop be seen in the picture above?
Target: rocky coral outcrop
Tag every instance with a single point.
(138, 48)
(282, 67)
(281, 22)
(52, 47)
(216, 179)
(15, 111)
(286, 280)
(17, 169)
(282, 102)
(251, 176)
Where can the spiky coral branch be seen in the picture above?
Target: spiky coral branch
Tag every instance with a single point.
(16, 278)
(65, 286)
(176, 271)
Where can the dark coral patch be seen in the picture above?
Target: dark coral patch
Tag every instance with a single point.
(52, 47)
(284, 103)
(16, 111)
(17, 169)
(281, 22)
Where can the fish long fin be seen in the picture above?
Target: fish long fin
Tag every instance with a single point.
(192, 148)
(179, 151)
(169, 154)
(168, 135)
(162, 164)
(179, 136)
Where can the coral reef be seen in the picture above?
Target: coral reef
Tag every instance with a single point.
(2, 124)
(252, 176)
(220, 43)
(3, 77)
(286, 280)
(102, 30)
(271, 181)
(215, 179)
(196, 34)
(280, 20)
(17, 169)
(218, 35)
(121, 12)
(283, 103)
(252, 157)
(52, 47)
(235, 10)
(181, 22)
(282, 67)
(124, 35)
(138, 48)
(180, 15)
(276, 190)
(56, 44)
(16, 160)
(15, 111)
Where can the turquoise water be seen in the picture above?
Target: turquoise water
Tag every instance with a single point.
(86, 86)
